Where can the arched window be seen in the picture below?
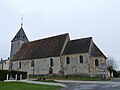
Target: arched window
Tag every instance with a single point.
(19, 65)
(81, 59)
(67, 60)
(32, 64)
(96, 62)
(51, 62)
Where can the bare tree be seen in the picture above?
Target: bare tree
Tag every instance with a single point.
(112, 64)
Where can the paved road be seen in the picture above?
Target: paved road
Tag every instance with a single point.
(89, 86)
(92, 85)
(83, 85)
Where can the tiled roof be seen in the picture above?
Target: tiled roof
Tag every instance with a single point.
(78, 46)
(49, 47)
(96, 52)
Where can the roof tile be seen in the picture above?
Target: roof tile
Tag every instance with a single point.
(78, 46)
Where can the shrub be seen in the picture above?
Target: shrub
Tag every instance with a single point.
(3, 74)
(115, 74)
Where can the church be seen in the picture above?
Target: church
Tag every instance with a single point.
(57, 55)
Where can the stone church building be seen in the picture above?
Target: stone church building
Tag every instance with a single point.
(57, 55)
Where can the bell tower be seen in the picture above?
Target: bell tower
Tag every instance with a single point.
(19, 39)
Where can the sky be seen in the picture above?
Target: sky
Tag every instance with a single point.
(99, 19)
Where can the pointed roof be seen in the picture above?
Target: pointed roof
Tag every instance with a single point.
(43, 48)
(78, 46)
(20, 36)
(96, 52)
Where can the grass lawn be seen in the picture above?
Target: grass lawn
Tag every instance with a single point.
(25, 86)
(52, 77)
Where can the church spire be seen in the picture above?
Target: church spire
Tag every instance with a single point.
(22, 21)
(21, 34)
(19, 39)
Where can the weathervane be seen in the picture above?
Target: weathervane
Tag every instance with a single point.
(22, 20)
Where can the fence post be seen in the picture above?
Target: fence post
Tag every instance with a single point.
(27, 76)
(7, 76)
(20, 76)
(16, 77)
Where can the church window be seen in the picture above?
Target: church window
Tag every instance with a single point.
(67, 60)
(81, 59)
(32, 64)
(51, 62)
(19, 65)
(96, 62)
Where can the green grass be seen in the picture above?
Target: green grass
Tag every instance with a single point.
(85, 78)
(70, 77)
(25, 86)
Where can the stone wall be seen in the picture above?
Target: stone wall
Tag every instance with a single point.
(101, 68)
(41, 66)
(86, 68)
(4, 65)
(75, 67)
(15, 46)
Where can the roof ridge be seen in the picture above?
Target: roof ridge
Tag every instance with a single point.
(49, 37)
(81, 38)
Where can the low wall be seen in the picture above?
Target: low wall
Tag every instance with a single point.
(20, 74)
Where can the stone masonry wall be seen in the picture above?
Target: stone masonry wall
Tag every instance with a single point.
(75, 67)
(41, 66)
(15, 46)
(101, 68)
(5, 65)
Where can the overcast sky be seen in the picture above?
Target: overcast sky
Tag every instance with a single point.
(80, 18)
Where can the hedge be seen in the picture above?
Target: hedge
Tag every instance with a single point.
(3, 74)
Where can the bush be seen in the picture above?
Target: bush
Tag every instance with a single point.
(115, 74)
(3, 74)
(118, 72)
